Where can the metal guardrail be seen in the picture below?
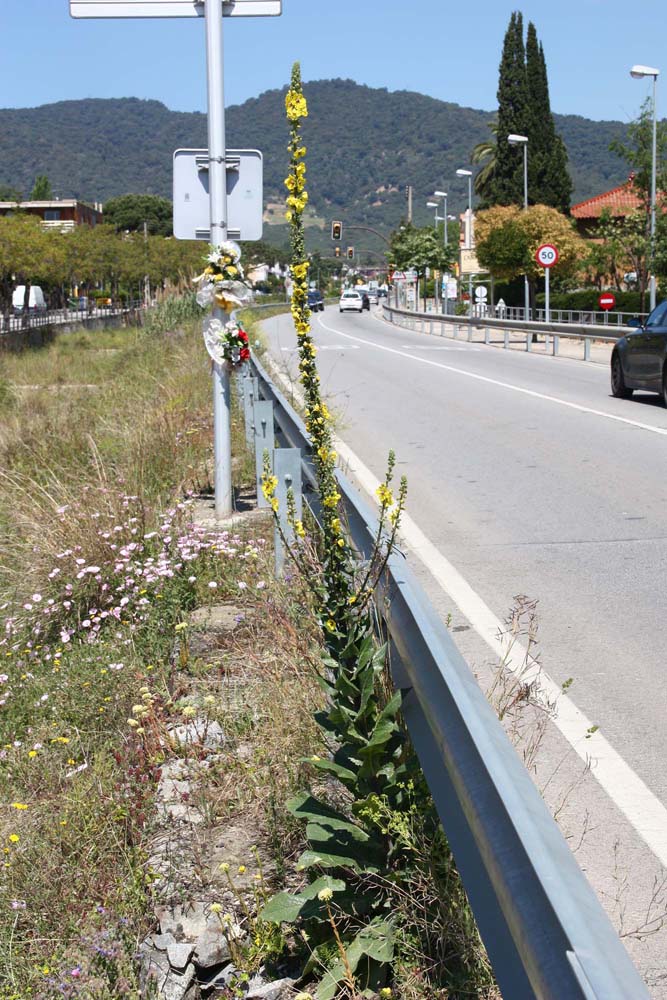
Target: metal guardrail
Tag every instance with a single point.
(546, 934)
(552, 332)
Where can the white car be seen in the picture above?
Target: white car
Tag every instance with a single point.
(351, 301)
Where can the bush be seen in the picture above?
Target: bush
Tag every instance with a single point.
(587, 299)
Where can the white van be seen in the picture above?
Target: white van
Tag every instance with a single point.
(36, 300)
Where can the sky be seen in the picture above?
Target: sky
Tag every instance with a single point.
(449, 51)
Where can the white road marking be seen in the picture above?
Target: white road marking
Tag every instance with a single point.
(504, 385)
(632, 797)
(418, 347)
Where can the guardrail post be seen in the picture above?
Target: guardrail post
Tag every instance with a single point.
(507, 339)
(529, 339)
(456, 331)
(470, 333)
(587, 348)
(556, 342)
(430, 327)
(250, 394)
(546, 343)
(286, 463)
(264, 438)
(487, 335)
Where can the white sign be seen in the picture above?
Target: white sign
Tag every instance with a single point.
(192, 218)
(171, 8)
(481, 293)
(546, 255)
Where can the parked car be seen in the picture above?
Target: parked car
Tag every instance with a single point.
(351, 301)
(373, 296)
(36, 300)
(639, 360)
(315, 300)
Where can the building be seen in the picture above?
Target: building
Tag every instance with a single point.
(620, 202)
(64, 214)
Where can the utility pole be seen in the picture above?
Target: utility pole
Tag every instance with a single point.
(408, 192)
(147, 281)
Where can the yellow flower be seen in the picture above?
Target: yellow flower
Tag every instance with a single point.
(332, 499)
(180, 626)
(14, 838)
(224, 867)
(341, 543)
(18, 805)
(330, 625)
(299, 529)
(242, 869)
(324, 895)
(295, 106)
(384, 495)
(275, 506)
(216, 908)
(189, 712)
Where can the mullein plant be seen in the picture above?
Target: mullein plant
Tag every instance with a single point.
(353, 855)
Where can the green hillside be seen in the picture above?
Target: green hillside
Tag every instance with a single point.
(364, 146)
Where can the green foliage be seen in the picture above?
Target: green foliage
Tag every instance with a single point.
(587, 300)
(524, 108)
(129, 212)
(419, 248)
(42, 190)
(360, 161)
(9, 193)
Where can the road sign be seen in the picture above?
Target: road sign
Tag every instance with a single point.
(546, 255)
(244, 194)
(607, 301)
(171, 8)
(481, 293)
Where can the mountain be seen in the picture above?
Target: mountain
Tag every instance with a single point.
(364, 144)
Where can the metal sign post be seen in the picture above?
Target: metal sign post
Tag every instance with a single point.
(546, 256)
(213, 11)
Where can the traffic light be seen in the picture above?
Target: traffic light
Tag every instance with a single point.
(336, 251)
(350, 253)
(336, 230)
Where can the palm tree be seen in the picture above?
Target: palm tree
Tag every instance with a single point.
(485, 152)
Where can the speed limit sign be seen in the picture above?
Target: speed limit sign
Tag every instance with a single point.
(546, 255)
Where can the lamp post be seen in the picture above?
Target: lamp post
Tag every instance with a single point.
(434, 205)
(639, 72)
(468, 173)
(522, 140)
(444, 219)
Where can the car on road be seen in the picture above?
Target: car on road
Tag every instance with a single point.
(315, 300)
(639, 359)
(373, 297)
(351, 301)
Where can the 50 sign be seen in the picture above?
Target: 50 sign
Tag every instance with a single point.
(546, 255)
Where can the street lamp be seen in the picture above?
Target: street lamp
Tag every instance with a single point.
(443, 195)
(522, 140)
(639, 72)
(434, 204)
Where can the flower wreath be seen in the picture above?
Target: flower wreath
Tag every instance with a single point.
(226, 342)
(222, 282)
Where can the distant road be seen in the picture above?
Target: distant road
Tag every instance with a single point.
(531, 479)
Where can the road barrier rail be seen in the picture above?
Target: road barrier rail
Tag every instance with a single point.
(545, 931)
(16, 323)
(514, 331)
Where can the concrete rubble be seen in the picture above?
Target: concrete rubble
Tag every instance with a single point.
(188, 957)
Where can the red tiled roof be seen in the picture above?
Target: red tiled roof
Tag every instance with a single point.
(620, 201)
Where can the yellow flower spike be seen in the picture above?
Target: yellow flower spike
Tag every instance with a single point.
(18, 805)
(299, 529)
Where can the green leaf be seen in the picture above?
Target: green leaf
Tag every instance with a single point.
(286, 907)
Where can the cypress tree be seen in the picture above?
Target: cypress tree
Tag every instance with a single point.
(548, 178)
(556, 181)
(513, 115)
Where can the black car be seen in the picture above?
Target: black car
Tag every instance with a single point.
(639, 360)
(315, 300)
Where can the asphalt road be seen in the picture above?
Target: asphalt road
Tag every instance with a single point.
(533, 480)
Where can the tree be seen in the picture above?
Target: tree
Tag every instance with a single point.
(419, 248)
(549, 181)
(513, 116)
(507, 238)
(9, 193)
(524, 108)
(631, 235)
(485, 152)
(129, 212)
(42, 190)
